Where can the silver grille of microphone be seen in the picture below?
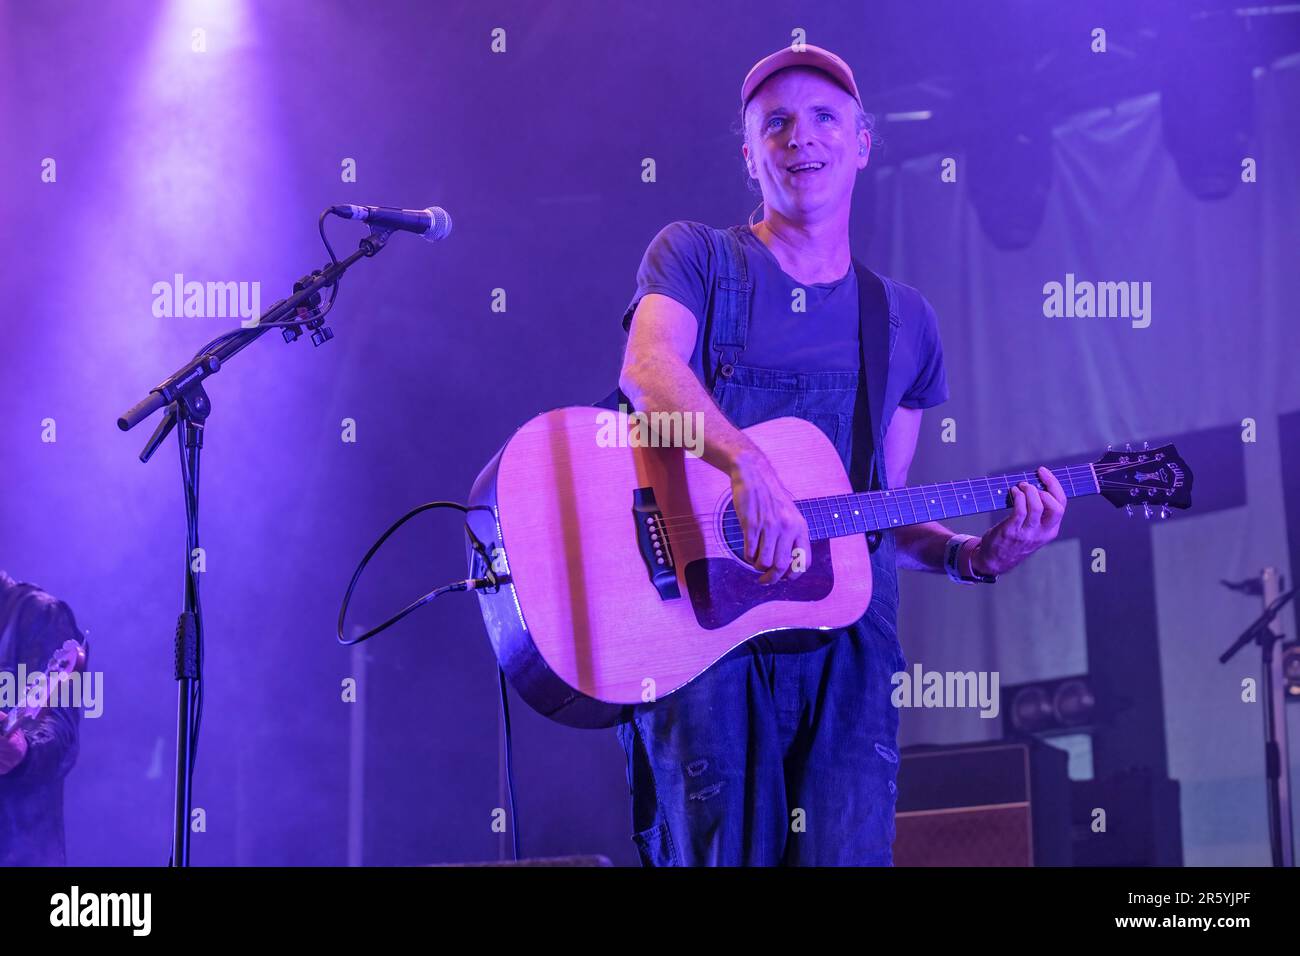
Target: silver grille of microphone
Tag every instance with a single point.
(441, 227)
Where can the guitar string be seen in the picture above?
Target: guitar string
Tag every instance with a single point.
(820, 517)
(707, 534)
(912, 496)
(821, 514)
(833, 515)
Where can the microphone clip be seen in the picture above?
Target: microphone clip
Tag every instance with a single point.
(377, 239)
(310, 312)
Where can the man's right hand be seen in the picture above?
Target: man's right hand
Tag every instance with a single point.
(13, 748)
(775, 530)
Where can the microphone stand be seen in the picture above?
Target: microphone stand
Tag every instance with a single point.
(1276, 760)
(189, 406)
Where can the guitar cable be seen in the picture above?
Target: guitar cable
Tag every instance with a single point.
(468, 584)
(488, 582)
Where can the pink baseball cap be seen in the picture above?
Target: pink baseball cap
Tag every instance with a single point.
(805, 55)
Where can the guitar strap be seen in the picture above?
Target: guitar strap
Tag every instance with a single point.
(877, 315)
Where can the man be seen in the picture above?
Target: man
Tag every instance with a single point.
(786, 752)
(34, 761)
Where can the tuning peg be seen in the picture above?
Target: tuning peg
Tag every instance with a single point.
(1144, 446)
(1164, 511)
(1128, 510)
(1128, 447)
(1146, 510)
(1108, 444)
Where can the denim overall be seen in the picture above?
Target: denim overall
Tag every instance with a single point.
(785, 751)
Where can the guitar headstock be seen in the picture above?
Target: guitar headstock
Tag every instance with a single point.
(1154, 479)
(69, 658)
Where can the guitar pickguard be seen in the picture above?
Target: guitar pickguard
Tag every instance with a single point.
(722, 589)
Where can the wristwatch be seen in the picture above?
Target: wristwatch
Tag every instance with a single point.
(950, 554)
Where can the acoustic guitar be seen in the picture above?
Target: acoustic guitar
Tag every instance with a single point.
(619, 571)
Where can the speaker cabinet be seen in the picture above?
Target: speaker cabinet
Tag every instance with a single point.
(984, 804)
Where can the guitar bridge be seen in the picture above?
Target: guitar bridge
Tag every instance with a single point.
(654, 545)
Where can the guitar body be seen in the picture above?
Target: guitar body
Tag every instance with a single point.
(69, 659)
(623, 576)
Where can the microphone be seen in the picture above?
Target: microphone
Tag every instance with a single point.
(432, 223)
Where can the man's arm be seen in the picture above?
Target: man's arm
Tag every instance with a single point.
(657, 377)
(1034, 521)
(920, 546)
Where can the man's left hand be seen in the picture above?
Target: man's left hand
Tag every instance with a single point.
(1035, 521)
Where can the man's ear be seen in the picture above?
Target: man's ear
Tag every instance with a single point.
(749, 163)
(864, 148)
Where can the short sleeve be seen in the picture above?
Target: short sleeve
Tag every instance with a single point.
(675, 264)
(930, 385)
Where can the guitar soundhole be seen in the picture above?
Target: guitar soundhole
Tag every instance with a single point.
(729, 529)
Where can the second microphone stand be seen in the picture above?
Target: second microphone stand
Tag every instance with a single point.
(188, 405)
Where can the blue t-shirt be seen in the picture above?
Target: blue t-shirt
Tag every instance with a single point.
(822, 337)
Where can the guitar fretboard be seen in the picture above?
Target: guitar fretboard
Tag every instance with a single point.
(838, 515)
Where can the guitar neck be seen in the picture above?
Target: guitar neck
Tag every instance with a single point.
(838, 515)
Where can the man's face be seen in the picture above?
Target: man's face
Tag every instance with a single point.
(801, 116)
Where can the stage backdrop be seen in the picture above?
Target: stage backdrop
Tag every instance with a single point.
(1221, 348)
(143, 142)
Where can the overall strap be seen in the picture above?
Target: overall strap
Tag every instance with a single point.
(729, 301)
(874, 323)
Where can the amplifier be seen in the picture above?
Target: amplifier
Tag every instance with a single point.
(983, 804)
